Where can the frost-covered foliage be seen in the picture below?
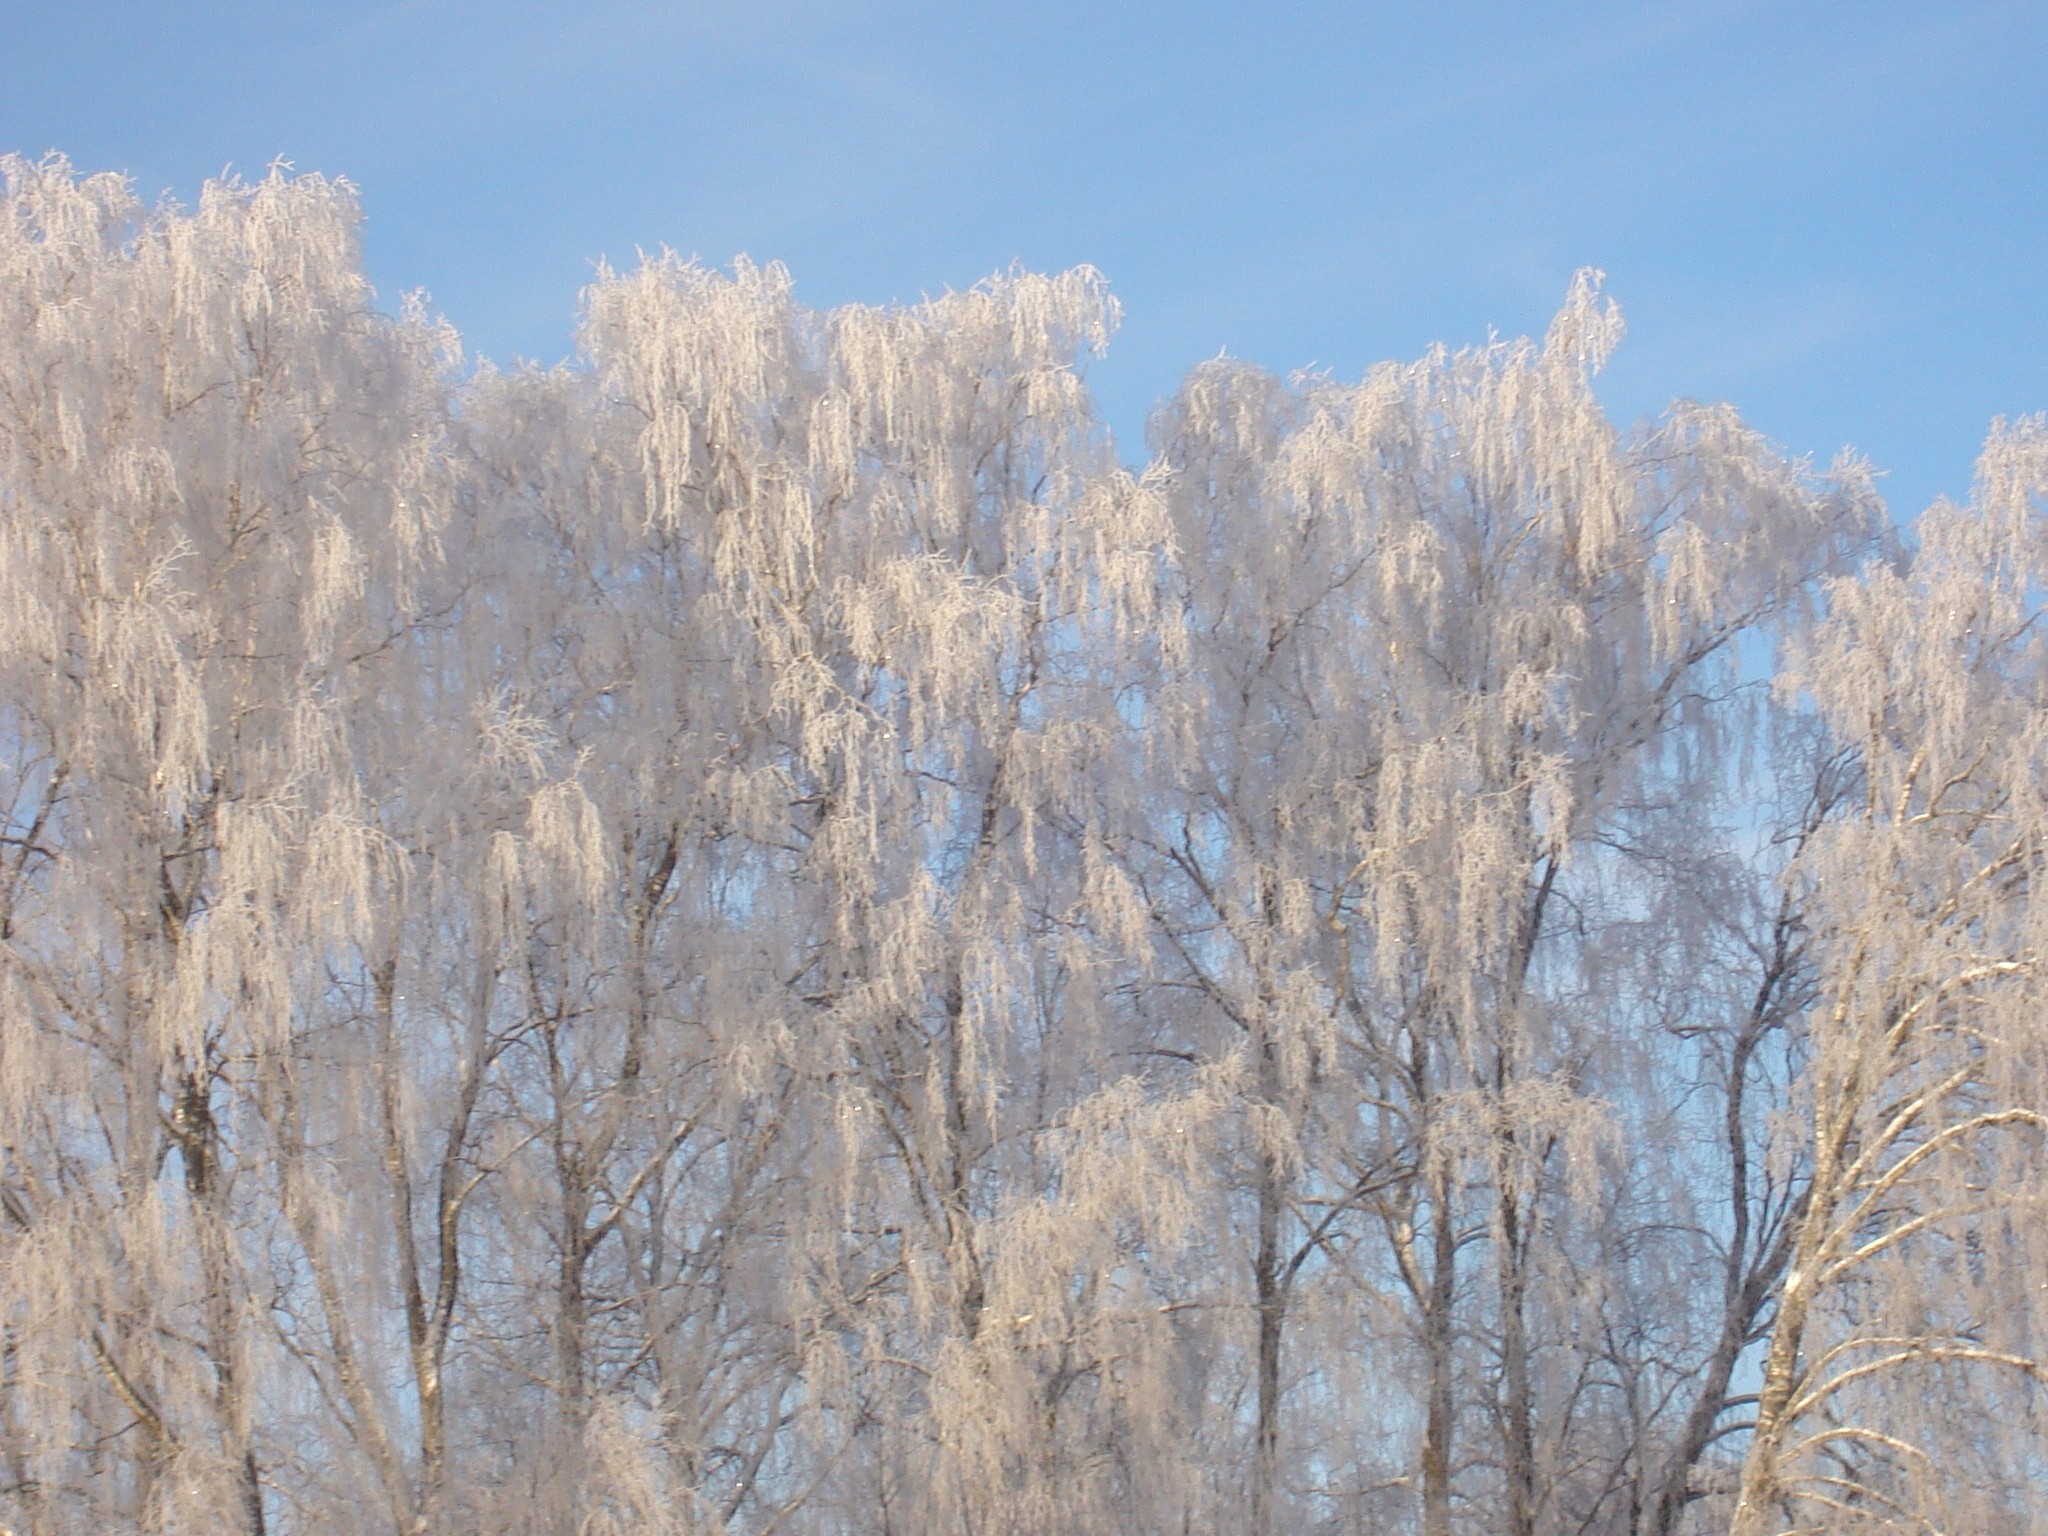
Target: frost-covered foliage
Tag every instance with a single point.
(754, 935)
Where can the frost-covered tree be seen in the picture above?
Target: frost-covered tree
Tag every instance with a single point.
(928, 554)
(1899, 1392)
(218, 484)
(1456, 639)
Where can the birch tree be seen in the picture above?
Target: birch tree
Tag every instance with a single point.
(945, 579)
(219, 487)
(1904, 1348)
(642, 1102)
(1455, 629)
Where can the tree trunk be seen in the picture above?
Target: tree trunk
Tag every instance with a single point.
(1438, 1426)
(1270, 1288)
(1517, 1411)
(196, 1132)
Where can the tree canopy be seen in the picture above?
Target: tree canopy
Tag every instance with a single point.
(758, 935)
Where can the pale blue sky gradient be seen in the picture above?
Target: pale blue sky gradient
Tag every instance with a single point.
(1834, 215)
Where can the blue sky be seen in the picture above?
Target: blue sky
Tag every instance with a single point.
(1834, 215)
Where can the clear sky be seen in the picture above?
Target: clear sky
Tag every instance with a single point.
(1834, 215)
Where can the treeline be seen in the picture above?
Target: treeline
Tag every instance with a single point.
(753, 936)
